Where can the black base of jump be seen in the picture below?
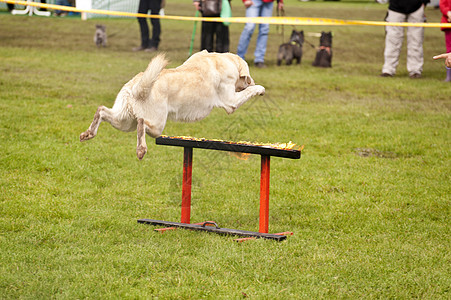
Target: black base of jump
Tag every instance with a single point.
(215, 229)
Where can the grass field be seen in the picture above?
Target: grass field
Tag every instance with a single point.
(368, 202)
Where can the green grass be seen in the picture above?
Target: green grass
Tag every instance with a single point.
(368, 202)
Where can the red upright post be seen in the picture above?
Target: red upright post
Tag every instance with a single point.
(264, 194)
(186, 185)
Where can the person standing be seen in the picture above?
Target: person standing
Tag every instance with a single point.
(149, 44)
(445, 8)
(210, 30)
(411, 11)
(256, 8)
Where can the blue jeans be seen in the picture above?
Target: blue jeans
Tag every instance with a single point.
(258, 9)
(61, 2)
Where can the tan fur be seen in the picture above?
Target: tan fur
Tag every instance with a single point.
(187, 93)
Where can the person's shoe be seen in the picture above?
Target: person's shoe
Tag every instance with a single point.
(386, 75)
(260, 65)
(140, 48)
(151, 49)
(415, 76)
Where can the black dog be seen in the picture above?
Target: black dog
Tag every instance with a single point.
(291, 50)
(324, 55)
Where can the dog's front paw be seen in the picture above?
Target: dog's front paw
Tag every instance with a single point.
(260, 90)
(141, 151)
(87, 135)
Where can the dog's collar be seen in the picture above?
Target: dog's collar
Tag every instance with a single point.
(325, 48)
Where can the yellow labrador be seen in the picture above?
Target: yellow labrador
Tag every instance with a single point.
(187, 93)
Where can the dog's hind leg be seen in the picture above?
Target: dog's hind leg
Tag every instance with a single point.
(141, 148)
(102, 114)
(154, 130)
(143, 127)
(280, 56)
(289, 58)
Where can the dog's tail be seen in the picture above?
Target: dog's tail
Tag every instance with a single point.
(142, 88)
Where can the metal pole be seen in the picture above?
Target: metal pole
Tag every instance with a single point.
(264, 194)
(186, 185)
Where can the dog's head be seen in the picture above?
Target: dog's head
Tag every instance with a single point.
(100, 28)
(297, 37)
(245, 78)
(326, 39)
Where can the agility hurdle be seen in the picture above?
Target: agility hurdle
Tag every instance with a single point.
(265, 150)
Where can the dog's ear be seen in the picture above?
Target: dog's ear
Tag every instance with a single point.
(243, 82)
(247, 80)
(243, 68)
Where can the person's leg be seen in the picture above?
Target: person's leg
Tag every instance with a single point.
(248, 30)
(263, 31)
(415, 37)
(45, 9)
(143, 9)
(62, 3)
(154, 6)
(393, 42)
(206, 41)
(222, 38)
(448, 40)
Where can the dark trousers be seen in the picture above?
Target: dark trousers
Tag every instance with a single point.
(209, 31)
(154, 7)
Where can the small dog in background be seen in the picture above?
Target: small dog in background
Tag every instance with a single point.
(324, 55)
(100, 36)
(291, 50)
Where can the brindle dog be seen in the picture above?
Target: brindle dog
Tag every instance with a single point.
(291, 50)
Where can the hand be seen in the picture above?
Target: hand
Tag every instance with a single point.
(196, 5)
(248, 3)
(446, 56)
(449, 16)
(280, 4)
